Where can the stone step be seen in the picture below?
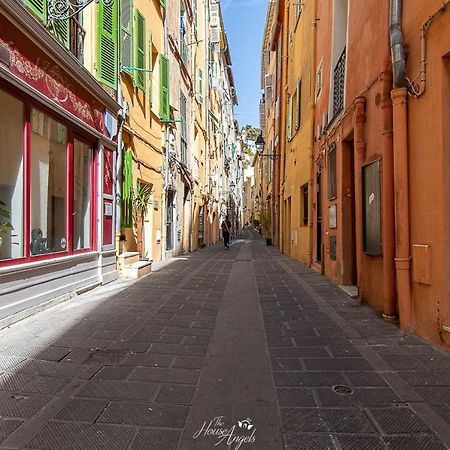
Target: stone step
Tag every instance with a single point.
(137, 270)
(127, 258)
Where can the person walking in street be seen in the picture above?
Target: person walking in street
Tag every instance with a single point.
(226, 226)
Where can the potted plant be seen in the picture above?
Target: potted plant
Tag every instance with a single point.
(5, 224)
(141, 198)
(266, 223)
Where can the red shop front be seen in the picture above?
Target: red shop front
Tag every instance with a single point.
(57, 157)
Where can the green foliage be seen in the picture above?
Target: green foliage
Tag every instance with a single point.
(252, 132)
(5, 224)
(141, 198)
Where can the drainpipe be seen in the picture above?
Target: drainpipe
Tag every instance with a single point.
(360, 147)
(166, 156)
(401, 189)
(388, 211)
(423, 50)
(119, 169)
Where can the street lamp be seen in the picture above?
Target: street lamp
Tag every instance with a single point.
(259, 144)
(232, 186)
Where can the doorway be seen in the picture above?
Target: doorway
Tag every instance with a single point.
(349, 214)
(169, 220)
(319, 215)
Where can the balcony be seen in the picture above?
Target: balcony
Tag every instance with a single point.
(338, 84)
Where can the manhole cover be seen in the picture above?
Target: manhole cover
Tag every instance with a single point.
(343, 390)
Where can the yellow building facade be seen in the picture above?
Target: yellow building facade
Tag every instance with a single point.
(288, 69)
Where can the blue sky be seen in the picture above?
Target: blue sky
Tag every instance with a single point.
(244, 23)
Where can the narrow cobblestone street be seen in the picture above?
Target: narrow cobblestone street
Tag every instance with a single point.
(211, 339)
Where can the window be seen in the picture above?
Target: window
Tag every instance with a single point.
(127, 36)
(183, 117)
(107, 45)
(304, 192)
(200, 85)
(319, 80)
(164, 106)
(332, 189)
(48, 202)
(289, 119)
(298, 105)
(12, 115)
(82, 164)
(139, 52)
(183, 36)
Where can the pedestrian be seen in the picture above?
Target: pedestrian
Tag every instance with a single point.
(226, 225)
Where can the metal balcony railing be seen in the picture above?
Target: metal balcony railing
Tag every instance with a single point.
(338, 84)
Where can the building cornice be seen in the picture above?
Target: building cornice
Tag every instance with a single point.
(23, 20)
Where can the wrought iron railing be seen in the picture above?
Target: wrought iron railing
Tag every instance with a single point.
(338, 84)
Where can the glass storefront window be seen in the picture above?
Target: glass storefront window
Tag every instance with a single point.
(48, 165)
(12, 113)
(82, 158)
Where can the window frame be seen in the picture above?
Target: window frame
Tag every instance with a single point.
(73, 131)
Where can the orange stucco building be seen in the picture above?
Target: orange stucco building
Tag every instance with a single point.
(382, 140)
(379, 98)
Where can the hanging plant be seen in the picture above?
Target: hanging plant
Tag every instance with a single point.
(5, 224)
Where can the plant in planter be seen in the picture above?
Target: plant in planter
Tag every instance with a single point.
(141, 197)
(266, 223)
(5, 224)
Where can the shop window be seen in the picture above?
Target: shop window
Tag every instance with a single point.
(371, 208)
(48, 164)
(11, 176)
(82, 163)
(332, 191)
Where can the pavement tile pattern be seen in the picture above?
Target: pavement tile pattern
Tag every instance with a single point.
(244, 332)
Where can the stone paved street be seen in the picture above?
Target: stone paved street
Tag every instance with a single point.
(214, 338)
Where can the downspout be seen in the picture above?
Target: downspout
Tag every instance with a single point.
(417, 92)
(166, 156)
(312, 143)
(388, 210)
(399, 96)
(119, 172)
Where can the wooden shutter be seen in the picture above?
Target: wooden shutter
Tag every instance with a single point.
(107, 48)
(289, 119)
(162, 3)
(164, 108)
(127, 34)
(61, 30)
(298, 113)
(150, 66)
(39, 8)
(139, 51)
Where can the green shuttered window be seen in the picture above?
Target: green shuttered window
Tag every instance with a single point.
(164, 105)
(38, 7)
(61, 30)
(163, 3)
(107, 43)
(139, 51)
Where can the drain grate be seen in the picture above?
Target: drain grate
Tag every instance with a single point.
(342, 389)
